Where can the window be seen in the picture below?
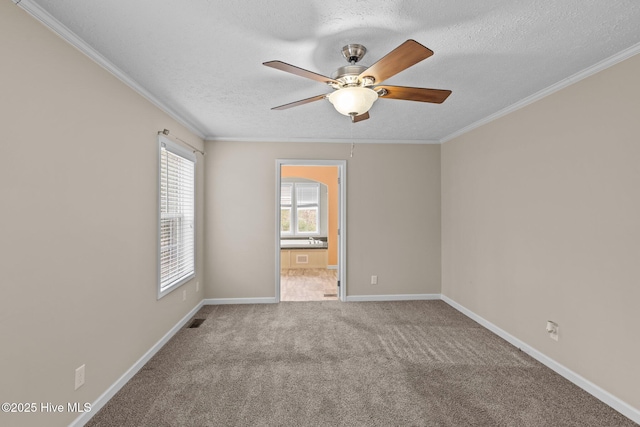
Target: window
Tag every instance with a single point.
(307, 198)
(299, 208)
(177, 215)
(286, 197)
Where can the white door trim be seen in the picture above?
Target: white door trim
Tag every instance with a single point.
(342, 218)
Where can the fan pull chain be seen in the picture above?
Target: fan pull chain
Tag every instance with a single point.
(353, 145)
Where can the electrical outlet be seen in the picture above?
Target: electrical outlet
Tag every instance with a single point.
(79, 377)
(374, 280)
(184, 295)
(553, 329)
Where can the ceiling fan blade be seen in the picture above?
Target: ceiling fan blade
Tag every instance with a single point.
(283, 66)
(301, 102)
(436, 96)
(404, 56)
(361, 117)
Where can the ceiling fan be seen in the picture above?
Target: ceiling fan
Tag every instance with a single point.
(358, 87)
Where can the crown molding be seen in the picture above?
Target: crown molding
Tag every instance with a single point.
(596, 68)
(70, 37)
(326, 140)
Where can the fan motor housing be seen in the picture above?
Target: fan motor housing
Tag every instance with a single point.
(348, 74)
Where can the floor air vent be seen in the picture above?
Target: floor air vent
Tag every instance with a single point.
(330, 295)
(195, 323)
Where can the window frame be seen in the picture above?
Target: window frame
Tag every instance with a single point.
(294, 206)
(190, 223)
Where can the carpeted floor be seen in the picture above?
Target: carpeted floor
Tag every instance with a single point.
(414, 363)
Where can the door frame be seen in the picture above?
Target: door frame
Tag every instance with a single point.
(342, 218)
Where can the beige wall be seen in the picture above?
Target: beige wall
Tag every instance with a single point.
(541, 221)
(78, 178)
(393, 216)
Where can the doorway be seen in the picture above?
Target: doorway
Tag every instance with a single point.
(310, 230)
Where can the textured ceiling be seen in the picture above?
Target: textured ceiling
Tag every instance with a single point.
(202, 59)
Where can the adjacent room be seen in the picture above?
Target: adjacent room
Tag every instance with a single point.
(320, 213)
(309, 239)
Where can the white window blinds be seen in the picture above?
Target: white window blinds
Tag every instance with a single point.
(177, 215)
(285, 194)
(307, 194)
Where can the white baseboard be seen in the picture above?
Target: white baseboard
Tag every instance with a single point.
(115, 387)
(222, 301)
(332, 267)
(400, 297)
(599, 393)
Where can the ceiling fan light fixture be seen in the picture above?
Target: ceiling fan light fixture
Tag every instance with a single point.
(353, 100)
(357, 87)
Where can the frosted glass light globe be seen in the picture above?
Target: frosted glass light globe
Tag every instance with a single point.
(354, 100)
